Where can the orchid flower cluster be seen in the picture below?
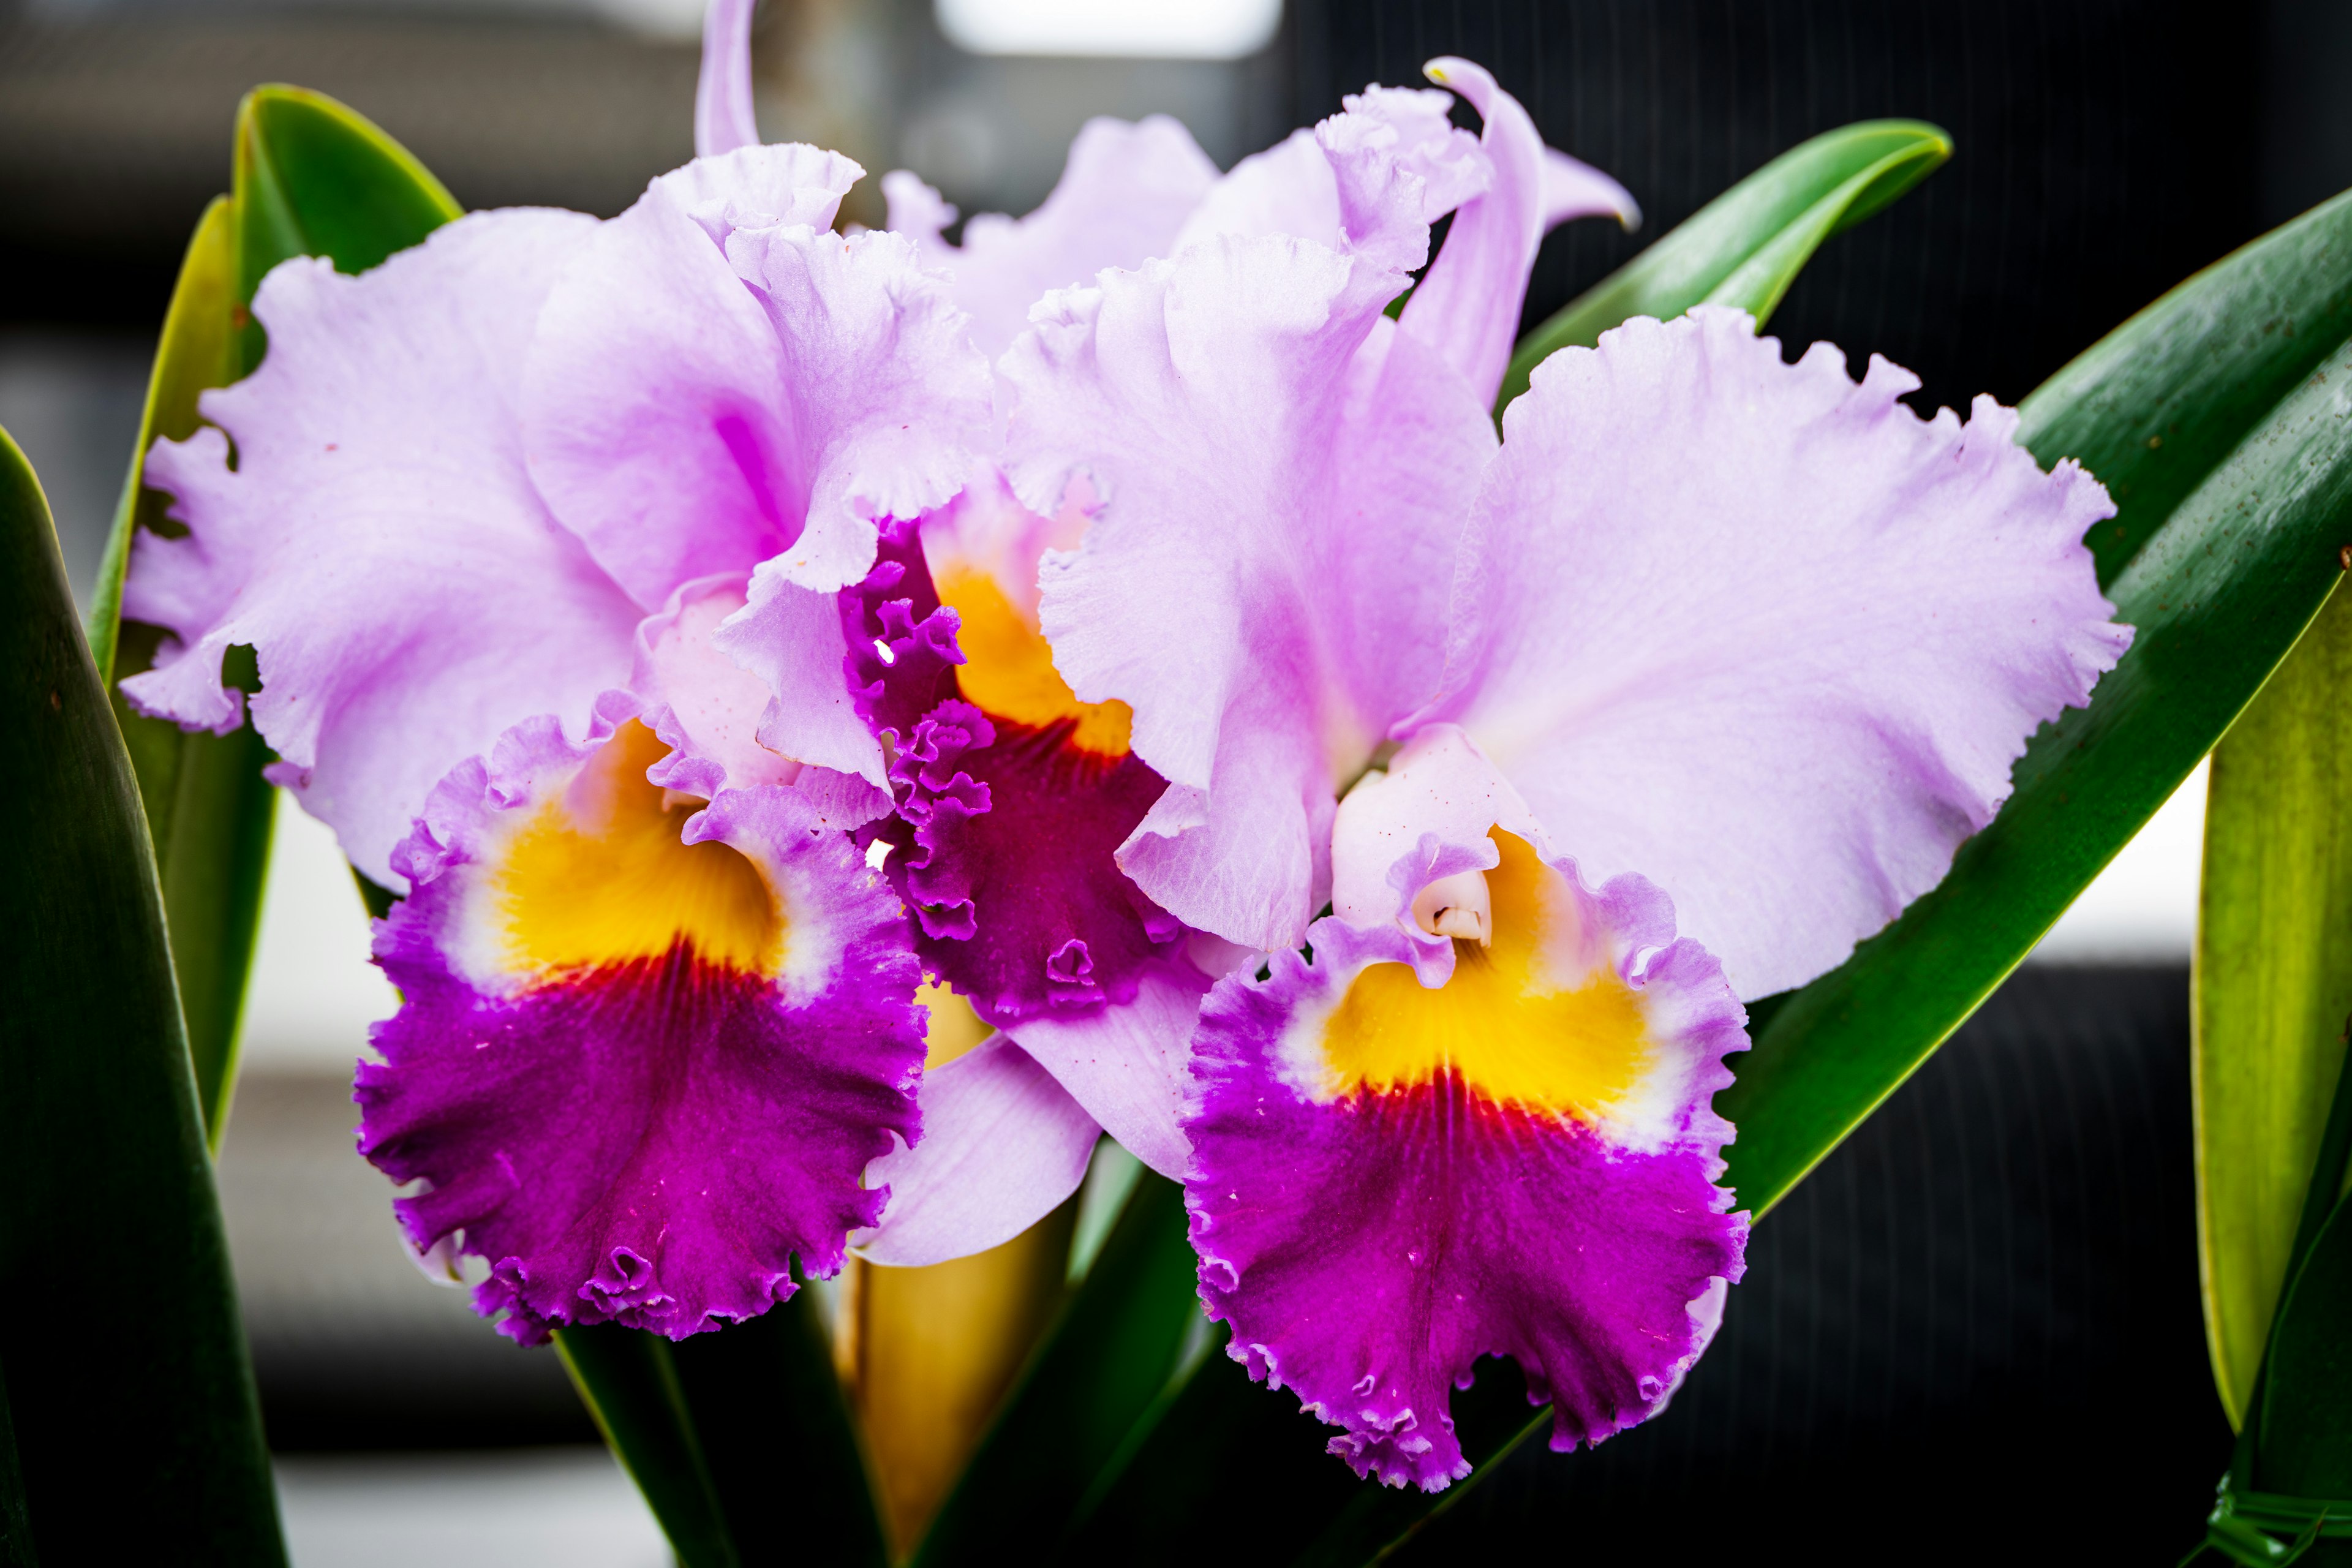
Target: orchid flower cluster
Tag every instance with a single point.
(738, 642)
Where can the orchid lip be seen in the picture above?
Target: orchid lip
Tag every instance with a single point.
(1458, 906)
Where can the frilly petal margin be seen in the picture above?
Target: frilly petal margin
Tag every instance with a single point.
(639, 1097)
(1002, 1144)
(1763, 635)
(1369, 1241)
(1125, 192)
(720, 379)
(380, 542)
(1003, 841)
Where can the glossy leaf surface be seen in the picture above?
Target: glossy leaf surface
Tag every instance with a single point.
(1092, 1379)
(312, 178)
(738, 1440)
(2236, 561)
(2274, 984)
(1745, 247)
(2306, 1448)
(138, 1440)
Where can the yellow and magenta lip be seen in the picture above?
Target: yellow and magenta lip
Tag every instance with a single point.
(1008, 667)
(597, 878)
(1508, 1023)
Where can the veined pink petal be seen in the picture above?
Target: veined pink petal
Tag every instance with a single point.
(722, 98)
(1125, 192)
(1467, 304)
(1762, 635)
(1281, 474)
(1286, 189)
(711, 387)
(379, 543)
(1003, 1145)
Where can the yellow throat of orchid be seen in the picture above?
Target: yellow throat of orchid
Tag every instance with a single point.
(597, 878)
(1008, 669)
(1513, 1027)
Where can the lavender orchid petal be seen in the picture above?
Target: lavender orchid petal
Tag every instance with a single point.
(1273, 457)
(1286, 189)
(379, 543)
(1466, 305)
(1130, 1066)
(1764, 636)
(1003, 1145)
(1574, 190)
(639, 1072)
(1402, 1166)
(719, 357)
(722, 98)
(1124, 194)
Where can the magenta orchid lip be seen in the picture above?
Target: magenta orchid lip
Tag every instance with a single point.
(714, 625)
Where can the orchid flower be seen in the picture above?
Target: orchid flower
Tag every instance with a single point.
(1014, 798)
(1695, 678)
(493, 517)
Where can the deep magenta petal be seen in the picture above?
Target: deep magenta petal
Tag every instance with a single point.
(651, 1141)
(1369, 1241)
(1005, 833)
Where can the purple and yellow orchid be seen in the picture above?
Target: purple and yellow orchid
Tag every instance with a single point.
(714, 625)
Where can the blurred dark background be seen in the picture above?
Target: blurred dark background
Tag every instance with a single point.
(1974, 1333)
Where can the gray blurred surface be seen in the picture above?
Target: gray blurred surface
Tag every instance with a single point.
(546, 1508)
(72, 401)
(353, 1346)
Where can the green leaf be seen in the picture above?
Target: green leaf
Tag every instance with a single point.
(2241, 525)
(738, 1440)
(312, 178)
(2274, 984)
(2305, 1445)
(139, 1440)
(1098, 1370)
(1745, 247)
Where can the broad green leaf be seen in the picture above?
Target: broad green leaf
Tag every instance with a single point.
(315, 179)
(311, 177)
(1745, 247)
(1096, 1372)
(138, 1436)
(2274, 984)
(2306, 1446)
(1215, 1462)
(738, 1440)
(2237, 557)
(192, 355)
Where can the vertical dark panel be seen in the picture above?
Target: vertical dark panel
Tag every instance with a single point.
(2106, 148)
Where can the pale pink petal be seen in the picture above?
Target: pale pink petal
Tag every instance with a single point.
(379, 542)
(790, 638)
(1286, 189)
(1574, 190)
(1281, 476)
(1002, 1144)
(1125, 192)
(720, 379)
(1467, 304)
(1399, 165)
(1439, 795)
(1128, 1065)
(722, 99)
(1765, 637)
